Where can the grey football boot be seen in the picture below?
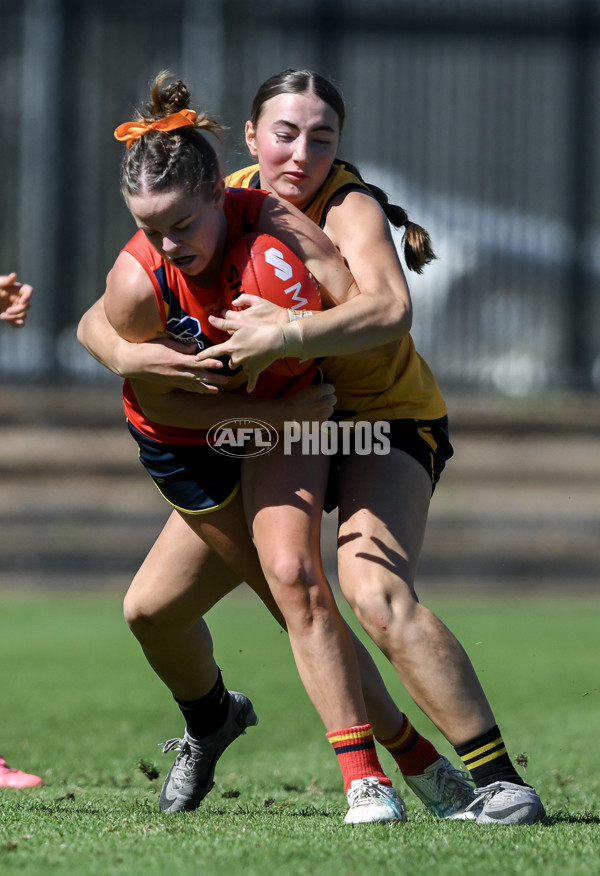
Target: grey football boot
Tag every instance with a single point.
(192, 775)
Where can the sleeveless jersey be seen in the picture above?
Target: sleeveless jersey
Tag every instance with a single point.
(184, 306)
(392, 387)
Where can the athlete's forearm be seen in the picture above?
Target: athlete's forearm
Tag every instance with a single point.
(163, 360)
(357, 326)
(188, 410)
(99, 338)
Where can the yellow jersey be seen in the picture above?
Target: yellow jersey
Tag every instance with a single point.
(379, 388)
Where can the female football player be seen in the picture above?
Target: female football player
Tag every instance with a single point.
(166, 282)
(294, 133)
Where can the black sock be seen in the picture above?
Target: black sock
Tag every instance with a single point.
(487, 760)
(206, 714)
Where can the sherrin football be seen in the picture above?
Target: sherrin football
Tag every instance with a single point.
(259, 264)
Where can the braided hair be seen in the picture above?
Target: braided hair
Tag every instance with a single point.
(182, 159)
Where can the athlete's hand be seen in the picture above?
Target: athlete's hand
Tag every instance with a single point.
(15, 299)
(311, 404)
(256, 340)
(254, 347)
(171, 362)
(256, 311)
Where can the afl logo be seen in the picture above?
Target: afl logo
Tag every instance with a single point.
(242, 437)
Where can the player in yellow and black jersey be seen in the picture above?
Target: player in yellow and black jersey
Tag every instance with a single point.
(383, 498)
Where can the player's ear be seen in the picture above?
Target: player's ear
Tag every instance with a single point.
(218, 194)
(251, 139)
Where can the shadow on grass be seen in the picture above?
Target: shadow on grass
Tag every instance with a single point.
(564, 817)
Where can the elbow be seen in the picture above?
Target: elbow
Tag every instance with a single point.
(406, 321)
(399, 319)
(81, 332)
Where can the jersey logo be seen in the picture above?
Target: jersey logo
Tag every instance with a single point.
(187, 328)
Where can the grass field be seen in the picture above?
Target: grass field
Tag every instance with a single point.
(81, 708)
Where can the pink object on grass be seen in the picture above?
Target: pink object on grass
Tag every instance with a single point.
(11, 778)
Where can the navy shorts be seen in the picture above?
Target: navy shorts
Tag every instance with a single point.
(193, 478)
(427, 441)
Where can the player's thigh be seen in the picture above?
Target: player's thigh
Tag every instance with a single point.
(181, 576)
(283, 500)
(226, 532)
(232, 557)
(383, 506)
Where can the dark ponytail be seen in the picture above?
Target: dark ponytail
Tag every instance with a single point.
(416, 242)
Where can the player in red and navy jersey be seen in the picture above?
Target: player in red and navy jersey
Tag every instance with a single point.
(173, 187)
(183, 303)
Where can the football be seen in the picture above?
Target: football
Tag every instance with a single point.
(259, 264)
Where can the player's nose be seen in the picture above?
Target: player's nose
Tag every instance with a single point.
(301, 151)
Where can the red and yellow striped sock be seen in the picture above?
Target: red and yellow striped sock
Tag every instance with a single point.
(411, 751)
(356, 754)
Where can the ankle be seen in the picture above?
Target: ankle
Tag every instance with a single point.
(356, 754)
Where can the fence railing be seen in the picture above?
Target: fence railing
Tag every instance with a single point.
(480, 117)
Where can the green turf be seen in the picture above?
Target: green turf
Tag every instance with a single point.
(80, 707)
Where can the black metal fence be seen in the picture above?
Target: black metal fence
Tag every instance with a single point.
(480, 117)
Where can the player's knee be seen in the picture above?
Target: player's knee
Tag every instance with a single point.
(383, 610)
(133, 617)
(296, 587)
(286, 572)
(139, 618)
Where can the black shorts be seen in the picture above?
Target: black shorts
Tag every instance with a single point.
(427, 441)
(193, 478)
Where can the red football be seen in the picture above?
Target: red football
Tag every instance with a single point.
(259, 264)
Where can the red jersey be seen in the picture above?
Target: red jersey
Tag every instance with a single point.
(184, 306)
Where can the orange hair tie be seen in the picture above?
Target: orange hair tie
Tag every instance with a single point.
(131, 131)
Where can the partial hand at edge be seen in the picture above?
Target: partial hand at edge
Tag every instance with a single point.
(15, 300)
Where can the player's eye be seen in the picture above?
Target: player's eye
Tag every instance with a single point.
(183, 226)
